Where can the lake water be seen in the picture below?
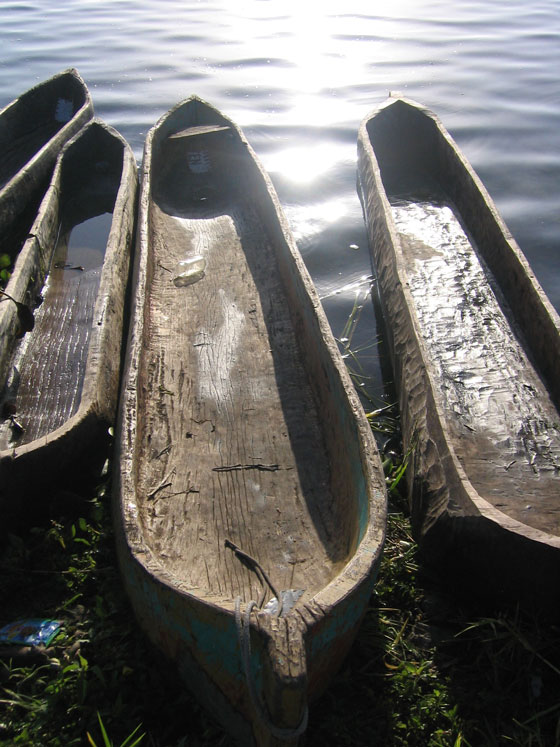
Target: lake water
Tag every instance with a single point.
(299, 75)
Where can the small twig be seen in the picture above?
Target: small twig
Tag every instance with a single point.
(16, 425)
(24, 313)
(188, 491)
(152, 493)
(8, 297)
(380, 411)
(165, 483)
(237, 467)
(67, 266)
(165, 450)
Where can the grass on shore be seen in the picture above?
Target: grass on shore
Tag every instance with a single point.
(425, 669)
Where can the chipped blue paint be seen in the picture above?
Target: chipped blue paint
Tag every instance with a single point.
(344, 619)
(215, 647)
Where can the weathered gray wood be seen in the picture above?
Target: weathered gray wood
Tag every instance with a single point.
(476, 353)
(33, 129)
(61, 379)
(238, 427)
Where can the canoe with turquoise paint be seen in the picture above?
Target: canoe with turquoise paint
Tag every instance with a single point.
(475, 345)
(33, 129)
(245, 469)
(60, 340)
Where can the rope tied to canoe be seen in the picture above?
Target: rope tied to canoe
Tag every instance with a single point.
(243, 625)
(254, 565)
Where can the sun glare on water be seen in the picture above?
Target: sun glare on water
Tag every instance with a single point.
(305, 163)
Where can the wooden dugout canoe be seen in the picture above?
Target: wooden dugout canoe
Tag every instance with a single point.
(476, 355)
(33, 130)
(61, 379)
(239, 439)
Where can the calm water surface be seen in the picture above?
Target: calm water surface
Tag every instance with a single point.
(299, 76)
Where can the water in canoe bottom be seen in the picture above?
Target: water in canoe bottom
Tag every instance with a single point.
(505, 421)
(48, 370)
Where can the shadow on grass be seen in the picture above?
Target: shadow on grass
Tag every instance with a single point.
(430, 669)
(424, 669)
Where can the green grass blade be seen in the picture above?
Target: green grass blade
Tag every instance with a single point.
(106, 740)
(137, 741)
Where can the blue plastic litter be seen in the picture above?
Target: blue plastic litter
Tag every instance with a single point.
(30, 632)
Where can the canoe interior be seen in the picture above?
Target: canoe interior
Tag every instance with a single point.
(17, 230)
(486, 355)
(48, 366)
(34, 118)
(230, 443)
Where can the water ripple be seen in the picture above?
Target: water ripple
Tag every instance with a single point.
(299, 77)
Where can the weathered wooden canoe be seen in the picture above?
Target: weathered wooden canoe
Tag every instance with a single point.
(33, 129)
(476, 354)
(61, 378)
(245, 468)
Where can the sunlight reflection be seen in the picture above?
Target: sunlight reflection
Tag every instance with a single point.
(311, 41)
(357, 287)
(305, 163)
(309, 220)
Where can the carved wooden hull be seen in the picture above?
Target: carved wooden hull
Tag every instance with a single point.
(33, 130)
(245, 466)
(476, 353)
(60, 380)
